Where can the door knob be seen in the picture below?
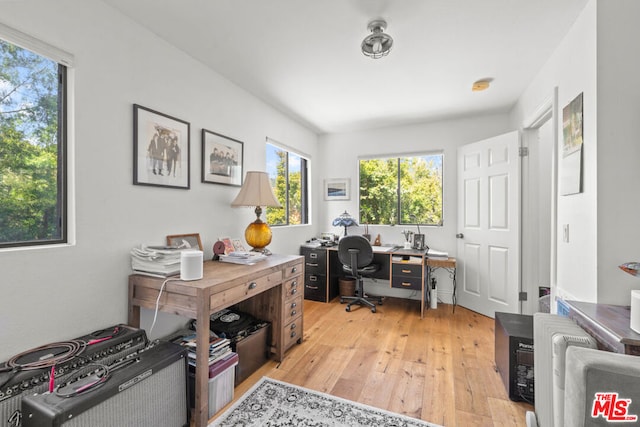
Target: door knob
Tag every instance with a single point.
(460, 236)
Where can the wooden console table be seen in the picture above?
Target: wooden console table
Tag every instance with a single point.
(608, 324)
(270, 290)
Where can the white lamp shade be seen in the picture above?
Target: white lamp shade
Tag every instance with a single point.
(256, 191)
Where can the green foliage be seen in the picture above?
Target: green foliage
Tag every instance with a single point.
(28, 146)
(288, 192)
(401, 191)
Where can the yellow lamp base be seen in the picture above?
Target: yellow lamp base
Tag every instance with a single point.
(258, 235)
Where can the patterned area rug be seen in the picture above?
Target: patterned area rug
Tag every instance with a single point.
(275, 403)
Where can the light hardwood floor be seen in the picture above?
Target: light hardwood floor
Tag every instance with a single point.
(440, 369)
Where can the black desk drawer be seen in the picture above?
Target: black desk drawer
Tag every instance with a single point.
(414, 283)
(315, 260)
(315, 287)
(406, 276)
(407, 270)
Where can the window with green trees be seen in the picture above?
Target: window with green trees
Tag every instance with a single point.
(288, 174)
(32, 148)
(401, 190)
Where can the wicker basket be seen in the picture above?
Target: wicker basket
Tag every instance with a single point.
(347, 287)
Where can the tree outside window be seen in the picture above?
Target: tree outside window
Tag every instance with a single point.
(401, 190)
(32, 196)
(288, 174)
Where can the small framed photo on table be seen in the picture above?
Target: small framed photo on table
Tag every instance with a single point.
(185, 241)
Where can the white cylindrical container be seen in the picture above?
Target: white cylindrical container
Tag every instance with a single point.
(635, 311)
(191, 265)
(434, 298)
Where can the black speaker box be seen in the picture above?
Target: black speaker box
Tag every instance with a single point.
(107, 346)
(150, 391)
(514, 354)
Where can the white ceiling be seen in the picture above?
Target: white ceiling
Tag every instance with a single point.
(303, 56)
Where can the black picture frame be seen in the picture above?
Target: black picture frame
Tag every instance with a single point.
(160, 143)
(222, 159)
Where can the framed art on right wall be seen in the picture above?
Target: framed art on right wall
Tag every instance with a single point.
(337, 189)
(572, 147)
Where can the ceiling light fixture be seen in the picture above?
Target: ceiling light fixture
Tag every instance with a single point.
(481, 85)
(377, 44)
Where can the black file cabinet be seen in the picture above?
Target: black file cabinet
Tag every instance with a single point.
(318, 284)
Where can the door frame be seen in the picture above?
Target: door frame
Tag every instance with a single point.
(548, 110)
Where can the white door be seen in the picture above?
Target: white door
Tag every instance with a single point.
(488, 255)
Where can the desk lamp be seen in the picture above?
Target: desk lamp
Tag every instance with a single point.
(256, 191)
(344, 220)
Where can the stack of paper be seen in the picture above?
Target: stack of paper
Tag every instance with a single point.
(247, 258)
(432, 253)
(160, 261)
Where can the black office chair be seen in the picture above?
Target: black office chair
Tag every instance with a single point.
(356, 255)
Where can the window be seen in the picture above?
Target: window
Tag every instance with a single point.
(401, 190)
(288, 173)
(32, 148)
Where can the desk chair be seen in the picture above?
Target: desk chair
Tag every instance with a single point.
(356, 256)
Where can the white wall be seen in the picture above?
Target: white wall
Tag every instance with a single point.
(52, 294)
(572, 68)
(618, 136)
(340, 154)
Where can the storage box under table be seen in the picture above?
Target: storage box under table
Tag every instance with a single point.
(221, 383)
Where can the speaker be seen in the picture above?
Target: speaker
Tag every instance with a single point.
(514, 354)
(151, 390)
(104, 346)
(191, 264)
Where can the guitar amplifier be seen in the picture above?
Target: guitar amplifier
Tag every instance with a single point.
(103, 346)
(149, 391)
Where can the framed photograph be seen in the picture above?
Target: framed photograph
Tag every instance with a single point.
(572, 147)
(185, 241)
(337, 189)
(160, 149)
(228, 245)
(221, 159)
(238, 246)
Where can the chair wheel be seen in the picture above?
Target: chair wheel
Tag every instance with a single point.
(348, 309)
(373, 309)
(341, 301)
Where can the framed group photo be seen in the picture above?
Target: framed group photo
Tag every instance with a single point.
(160, 149)
(222, 159)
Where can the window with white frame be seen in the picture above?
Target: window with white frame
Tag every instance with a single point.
(288, 172)
(33, 199)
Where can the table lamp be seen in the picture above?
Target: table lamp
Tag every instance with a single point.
(256, 191)
(344, 220)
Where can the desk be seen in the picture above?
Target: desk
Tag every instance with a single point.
(269, 290)
(323, 270)
(608, 324)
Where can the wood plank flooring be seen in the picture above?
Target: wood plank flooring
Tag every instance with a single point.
(440, 369)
